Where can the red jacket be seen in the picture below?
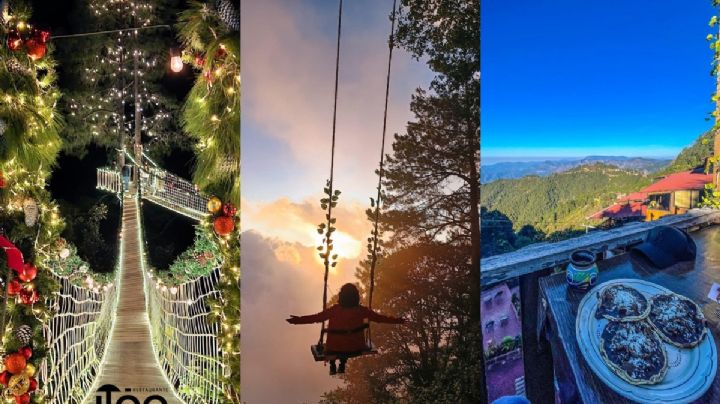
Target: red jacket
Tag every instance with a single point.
(345, 326)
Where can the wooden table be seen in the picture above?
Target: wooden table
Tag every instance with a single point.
(558, 310)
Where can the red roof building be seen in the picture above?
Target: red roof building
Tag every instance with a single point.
(673, 194)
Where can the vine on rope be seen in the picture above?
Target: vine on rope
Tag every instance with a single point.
(327, 228)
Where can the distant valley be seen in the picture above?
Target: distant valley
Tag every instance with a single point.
(512, 170)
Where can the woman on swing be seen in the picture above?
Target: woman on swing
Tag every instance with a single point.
(346, 326)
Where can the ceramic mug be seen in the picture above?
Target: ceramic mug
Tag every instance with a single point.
(582, 271)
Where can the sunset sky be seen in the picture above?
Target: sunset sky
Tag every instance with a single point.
(288, 76)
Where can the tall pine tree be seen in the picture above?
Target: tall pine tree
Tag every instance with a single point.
(100, 72)
(429, 271)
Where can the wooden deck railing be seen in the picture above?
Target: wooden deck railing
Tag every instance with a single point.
(540, 256)
(530, 263)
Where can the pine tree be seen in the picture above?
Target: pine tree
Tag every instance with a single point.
(29, 145)
(429, 270)
(100, 73)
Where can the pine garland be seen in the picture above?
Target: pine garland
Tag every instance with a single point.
(30, 143)
(211, 115)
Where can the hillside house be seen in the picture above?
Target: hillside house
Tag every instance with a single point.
(672, 195)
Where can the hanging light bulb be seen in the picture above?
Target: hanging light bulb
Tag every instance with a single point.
(176, 63)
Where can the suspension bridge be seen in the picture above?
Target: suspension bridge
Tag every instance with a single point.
(137, 333)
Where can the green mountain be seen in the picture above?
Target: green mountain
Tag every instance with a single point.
(692, 156)
(559, 202)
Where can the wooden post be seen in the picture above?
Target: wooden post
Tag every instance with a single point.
(537, 358)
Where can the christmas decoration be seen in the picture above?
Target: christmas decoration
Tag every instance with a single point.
(2, 180)
(229, 209)
(176, 62)
(229, 15)
(35, 49)
(214, 204)
(28, 273)
(24, 334)
(30, 370)
(24, 399)
(14, 256)
(15, 363)
(223, 225)
(31, 211)
(29, 296)
(64, 253)
(14, 40)
(199, 60)
(14, 287)
(5, 378)
(212, 116)
(33, 385)
(19, 384)
(26, 351)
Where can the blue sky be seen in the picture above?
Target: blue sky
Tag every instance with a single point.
(567, 78)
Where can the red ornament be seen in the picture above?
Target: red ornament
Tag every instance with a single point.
(24, 399)
(199, 60)
(15, 363)
(29, 297)
(26, 351)
(5, 378)
(40, 36)
(224, 225)
(14, 287)
(2, 180)
(14, 40)
(221, 52)
(229, 209)
(33, 385)
(28, 273)
(35, 49)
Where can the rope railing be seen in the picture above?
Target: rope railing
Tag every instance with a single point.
(77, 337)
(172, 192)
(185, 341)
(109, 179)
(160, 187)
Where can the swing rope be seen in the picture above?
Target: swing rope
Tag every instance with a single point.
(332, 170)
(376, 219)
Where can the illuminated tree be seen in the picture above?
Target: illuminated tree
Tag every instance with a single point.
(110, 72)
(211, 115)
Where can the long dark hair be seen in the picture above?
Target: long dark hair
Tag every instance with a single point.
(349, 296)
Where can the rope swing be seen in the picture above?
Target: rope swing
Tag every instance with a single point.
(332, 194)
(332, 197)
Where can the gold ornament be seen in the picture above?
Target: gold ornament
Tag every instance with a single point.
(8, 396)
(214, 204)
(19, 384)
(29, 370)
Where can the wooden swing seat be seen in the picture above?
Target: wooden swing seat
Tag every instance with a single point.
(318, 353)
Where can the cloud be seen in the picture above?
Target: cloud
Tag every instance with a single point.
(296, 222)
(277, 366)
(288, 78)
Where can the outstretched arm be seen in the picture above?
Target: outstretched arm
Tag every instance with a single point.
(313, 318)
(379, 318)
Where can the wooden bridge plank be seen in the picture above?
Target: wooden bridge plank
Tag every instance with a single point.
(130, 361)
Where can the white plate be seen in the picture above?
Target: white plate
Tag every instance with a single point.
(690, 371)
